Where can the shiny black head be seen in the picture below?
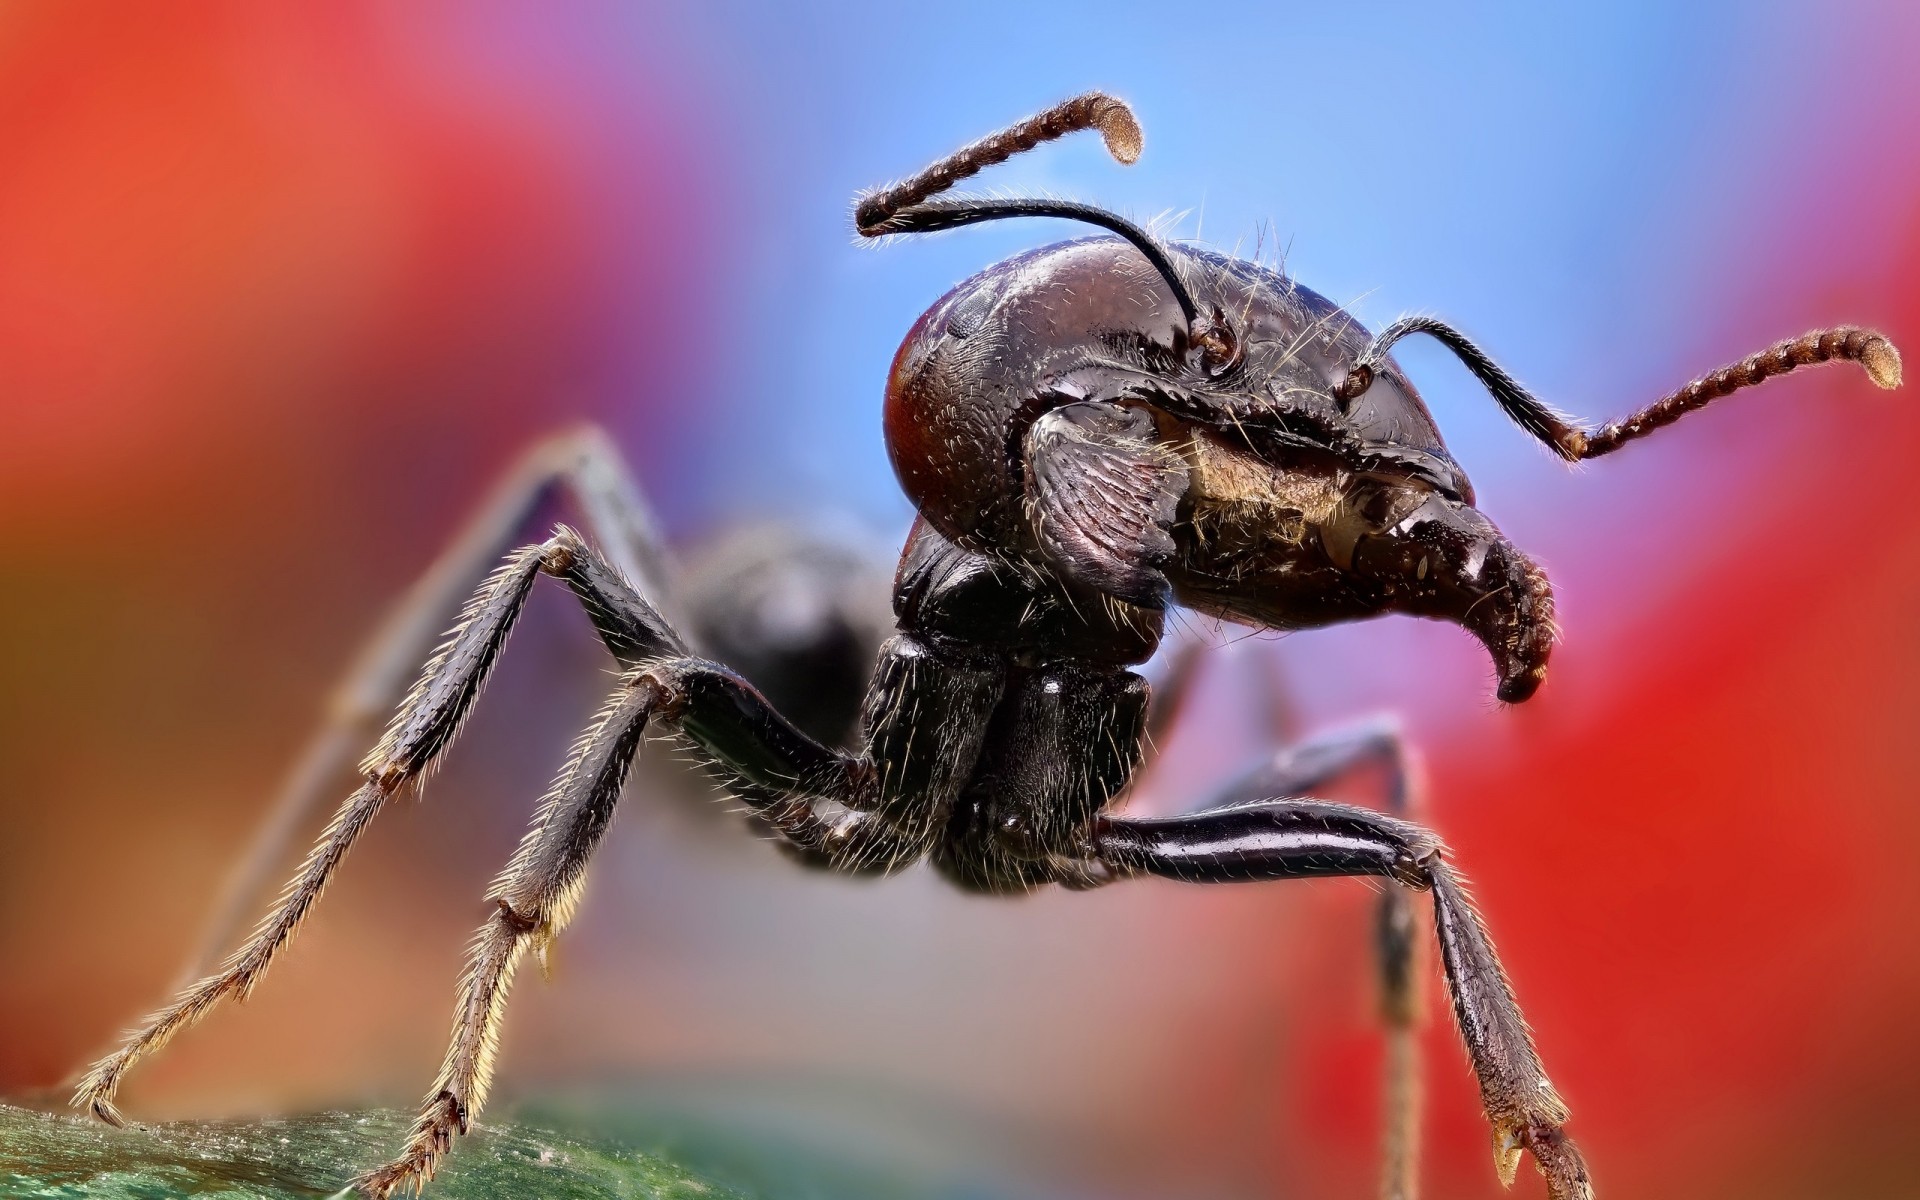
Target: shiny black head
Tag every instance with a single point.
(1162, 424)
(1052, 406)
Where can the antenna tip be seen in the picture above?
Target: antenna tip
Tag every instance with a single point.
(1882, 361)
(1119, 128)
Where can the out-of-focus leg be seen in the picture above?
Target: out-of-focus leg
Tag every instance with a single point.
(422, 728)
(1301, 770)
(1299, 838)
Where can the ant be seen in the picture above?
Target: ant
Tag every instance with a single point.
(1092, 434)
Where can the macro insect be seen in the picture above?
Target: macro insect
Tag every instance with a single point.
(1092, 434)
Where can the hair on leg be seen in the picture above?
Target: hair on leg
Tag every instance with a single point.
(584, 463)
(534, 898)
(425, 723)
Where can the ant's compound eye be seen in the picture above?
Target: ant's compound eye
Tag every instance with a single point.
(1219, 348)
(1382, 502)
(1354, 385)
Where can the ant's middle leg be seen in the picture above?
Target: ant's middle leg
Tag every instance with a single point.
(1304, 769)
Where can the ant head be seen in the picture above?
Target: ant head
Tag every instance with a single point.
(1291, 495)
(1246, 449)
(1318, 488)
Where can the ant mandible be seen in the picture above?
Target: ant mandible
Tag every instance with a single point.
(1092, 433)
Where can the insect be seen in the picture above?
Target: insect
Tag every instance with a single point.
(1093, 434)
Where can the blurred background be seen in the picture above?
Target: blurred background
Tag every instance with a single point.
(281, 289)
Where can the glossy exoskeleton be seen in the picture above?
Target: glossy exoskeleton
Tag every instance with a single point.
(1092, 434)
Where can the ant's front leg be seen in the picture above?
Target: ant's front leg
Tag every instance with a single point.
(1297, 839)
(1302, 768)
(583, 462)
(833, 804)
(534, 896)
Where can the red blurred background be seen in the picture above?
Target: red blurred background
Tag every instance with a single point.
(279, 290)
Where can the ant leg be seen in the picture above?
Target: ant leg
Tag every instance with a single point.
(589, 466)
(1306, 766)
(1172, 678)
(1294, 839)
(831, 804)
(1400, 1005)
(424, 725)
(1300, 770)
(534, 897)
(427, 721)
(925, 719)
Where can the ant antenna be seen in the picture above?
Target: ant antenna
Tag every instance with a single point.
(1871, 349)
(908, 208)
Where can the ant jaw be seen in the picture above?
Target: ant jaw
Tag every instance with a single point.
(1519, 633)
(1516, 687)
(1446, 560)
(1294, 547)
(1509, 608)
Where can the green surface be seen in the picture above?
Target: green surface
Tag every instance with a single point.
(47, 1155)
(756, 1142)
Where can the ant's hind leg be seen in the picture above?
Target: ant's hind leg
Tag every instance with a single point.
(534, 897)
(589, 467)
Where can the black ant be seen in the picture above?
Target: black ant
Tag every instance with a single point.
(1092, 433)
